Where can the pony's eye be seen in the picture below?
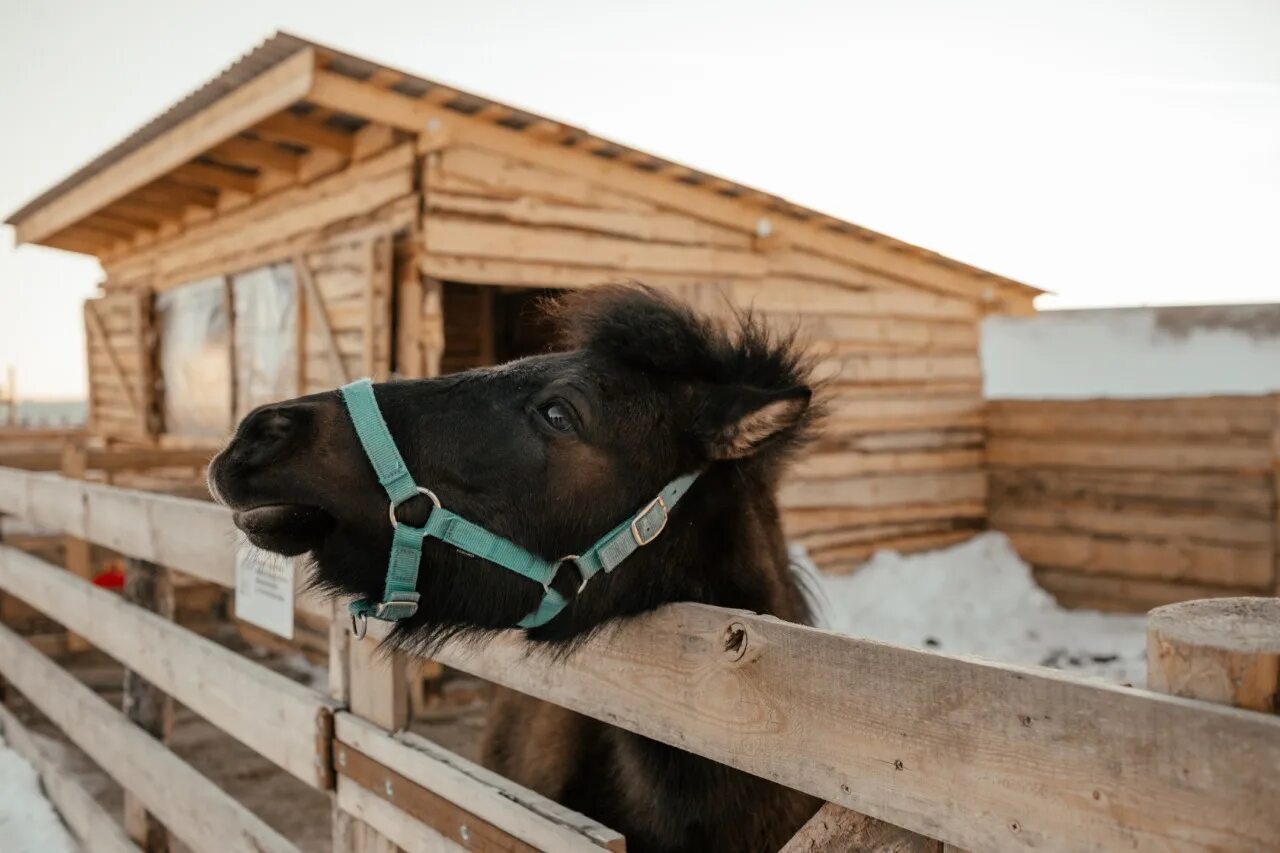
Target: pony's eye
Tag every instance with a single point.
(557, 416)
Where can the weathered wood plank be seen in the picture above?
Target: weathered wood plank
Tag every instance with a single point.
(1249, 567)
(1006, 759)
(1136, 523)
(268, 93)
(91, 825)
(396, 830)
(197, 811)
(1003, 451)
(195, 537)
(835, 829)
(1112, 594)
(885, 490)
(470, 238)
(657, 226)
(515, 810)
(289, 721)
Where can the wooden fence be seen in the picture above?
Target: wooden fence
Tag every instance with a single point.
(982, 756)
(1130, 504)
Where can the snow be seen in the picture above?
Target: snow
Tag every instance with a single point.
(977, 598)
(28, 823)
(1133, 353)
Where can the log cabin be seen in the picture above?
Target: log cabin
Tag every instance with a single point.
(309, 216)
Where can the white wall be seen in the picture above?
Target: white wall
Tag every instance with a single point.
(1133, 352)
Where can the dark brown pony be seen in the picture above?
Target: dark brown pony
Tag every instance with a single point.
(551, 452)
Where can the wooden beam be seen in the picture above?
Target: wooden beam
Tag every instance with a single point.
(835, 829)
(268, 93)
(195, 537)
(215, 177)
(200, 813)
(1004, 758)
(90, 823)
(290, 725)
(518, 812)
(257, 154)
(184, 195)
(311, 134)
(313, 307)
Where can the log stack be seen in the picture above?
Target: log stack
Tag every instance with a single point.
(1131, 504)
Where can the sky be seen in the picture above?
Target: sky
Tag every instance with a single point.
(1114, 152)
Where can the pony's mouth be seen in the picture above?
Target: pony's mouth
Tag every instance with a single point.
(288, 529)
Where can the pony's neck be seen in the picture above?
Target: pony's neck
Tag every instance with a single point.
(723, 545)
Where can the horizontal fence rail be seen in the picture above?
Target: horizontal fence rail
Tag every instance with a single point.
(416, 774)
(195, 809)
(291, 725)
(980, 755)
(93, 827)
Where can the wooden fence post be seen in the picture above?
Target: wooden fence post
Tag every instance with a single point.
(374, 688)
(79, 560)
(150, 586)
(1224, 650)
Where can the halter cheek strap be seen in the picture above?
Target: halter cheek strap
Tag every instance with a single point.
(400, 594)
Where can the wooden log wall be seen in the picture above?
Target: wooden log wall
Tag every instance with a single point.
(900, 461)
(1132, 504)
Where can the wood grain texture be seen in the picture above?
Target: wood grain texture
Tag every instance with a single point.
(1010, 758)
(835, 829)
(1224, 650)
(271, 91)
(288, 721)
(91, 825)
(521, 813)
(198, 812)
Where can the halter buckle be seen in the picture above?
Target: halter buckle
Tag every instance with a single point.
(391, 508)
(359, 625)
(642, 518)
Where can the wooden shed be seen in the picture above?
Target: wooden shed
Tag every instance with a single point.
(309, 216)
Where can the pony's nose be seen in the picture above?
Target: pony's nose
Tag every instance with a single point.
(267, 433)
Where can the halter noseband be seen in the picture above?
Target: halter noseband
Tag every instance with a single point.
(400, 594)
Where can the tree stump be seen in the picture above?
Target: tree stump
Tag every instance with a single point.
(1224, 650)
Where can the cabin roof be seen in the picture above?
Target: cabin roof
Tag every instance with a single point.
(53, 219)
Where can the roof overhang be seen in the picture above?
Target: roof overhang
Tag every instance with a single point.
(292, 109)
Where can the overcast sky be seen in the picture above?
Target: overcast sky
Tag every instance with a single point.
(1114, 152)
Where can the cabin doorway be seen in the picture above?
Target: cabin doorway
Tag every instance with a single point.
(487, 324)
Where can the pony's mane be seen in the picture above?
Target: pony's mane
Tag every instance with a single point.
(647, 329)
(650, 330)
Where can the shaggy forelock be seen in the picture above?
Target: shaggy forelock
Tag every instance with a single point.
(649, 330)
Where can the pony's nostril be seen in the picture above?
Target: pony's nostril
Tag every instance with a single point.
(269, 431)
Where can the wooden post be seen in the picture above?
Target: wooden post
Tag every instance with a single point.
(147, 585)
(373, 687)
(79, 559)
(1224, 650)
(835, 829)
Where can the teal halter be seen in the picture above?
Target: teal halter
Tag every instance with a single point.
(400, 594)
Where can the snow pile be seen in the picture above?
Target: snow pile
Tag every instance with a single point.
(28, 823)
(979, 598)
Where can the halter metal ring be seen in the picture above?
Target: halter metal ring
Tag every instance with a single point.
(391, 508)
(556, 572)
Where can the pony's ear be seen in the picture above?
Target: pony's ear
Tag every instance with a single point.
(737, 421)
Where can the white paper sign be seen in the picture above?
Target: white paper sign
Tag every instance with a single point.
(264, 589)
